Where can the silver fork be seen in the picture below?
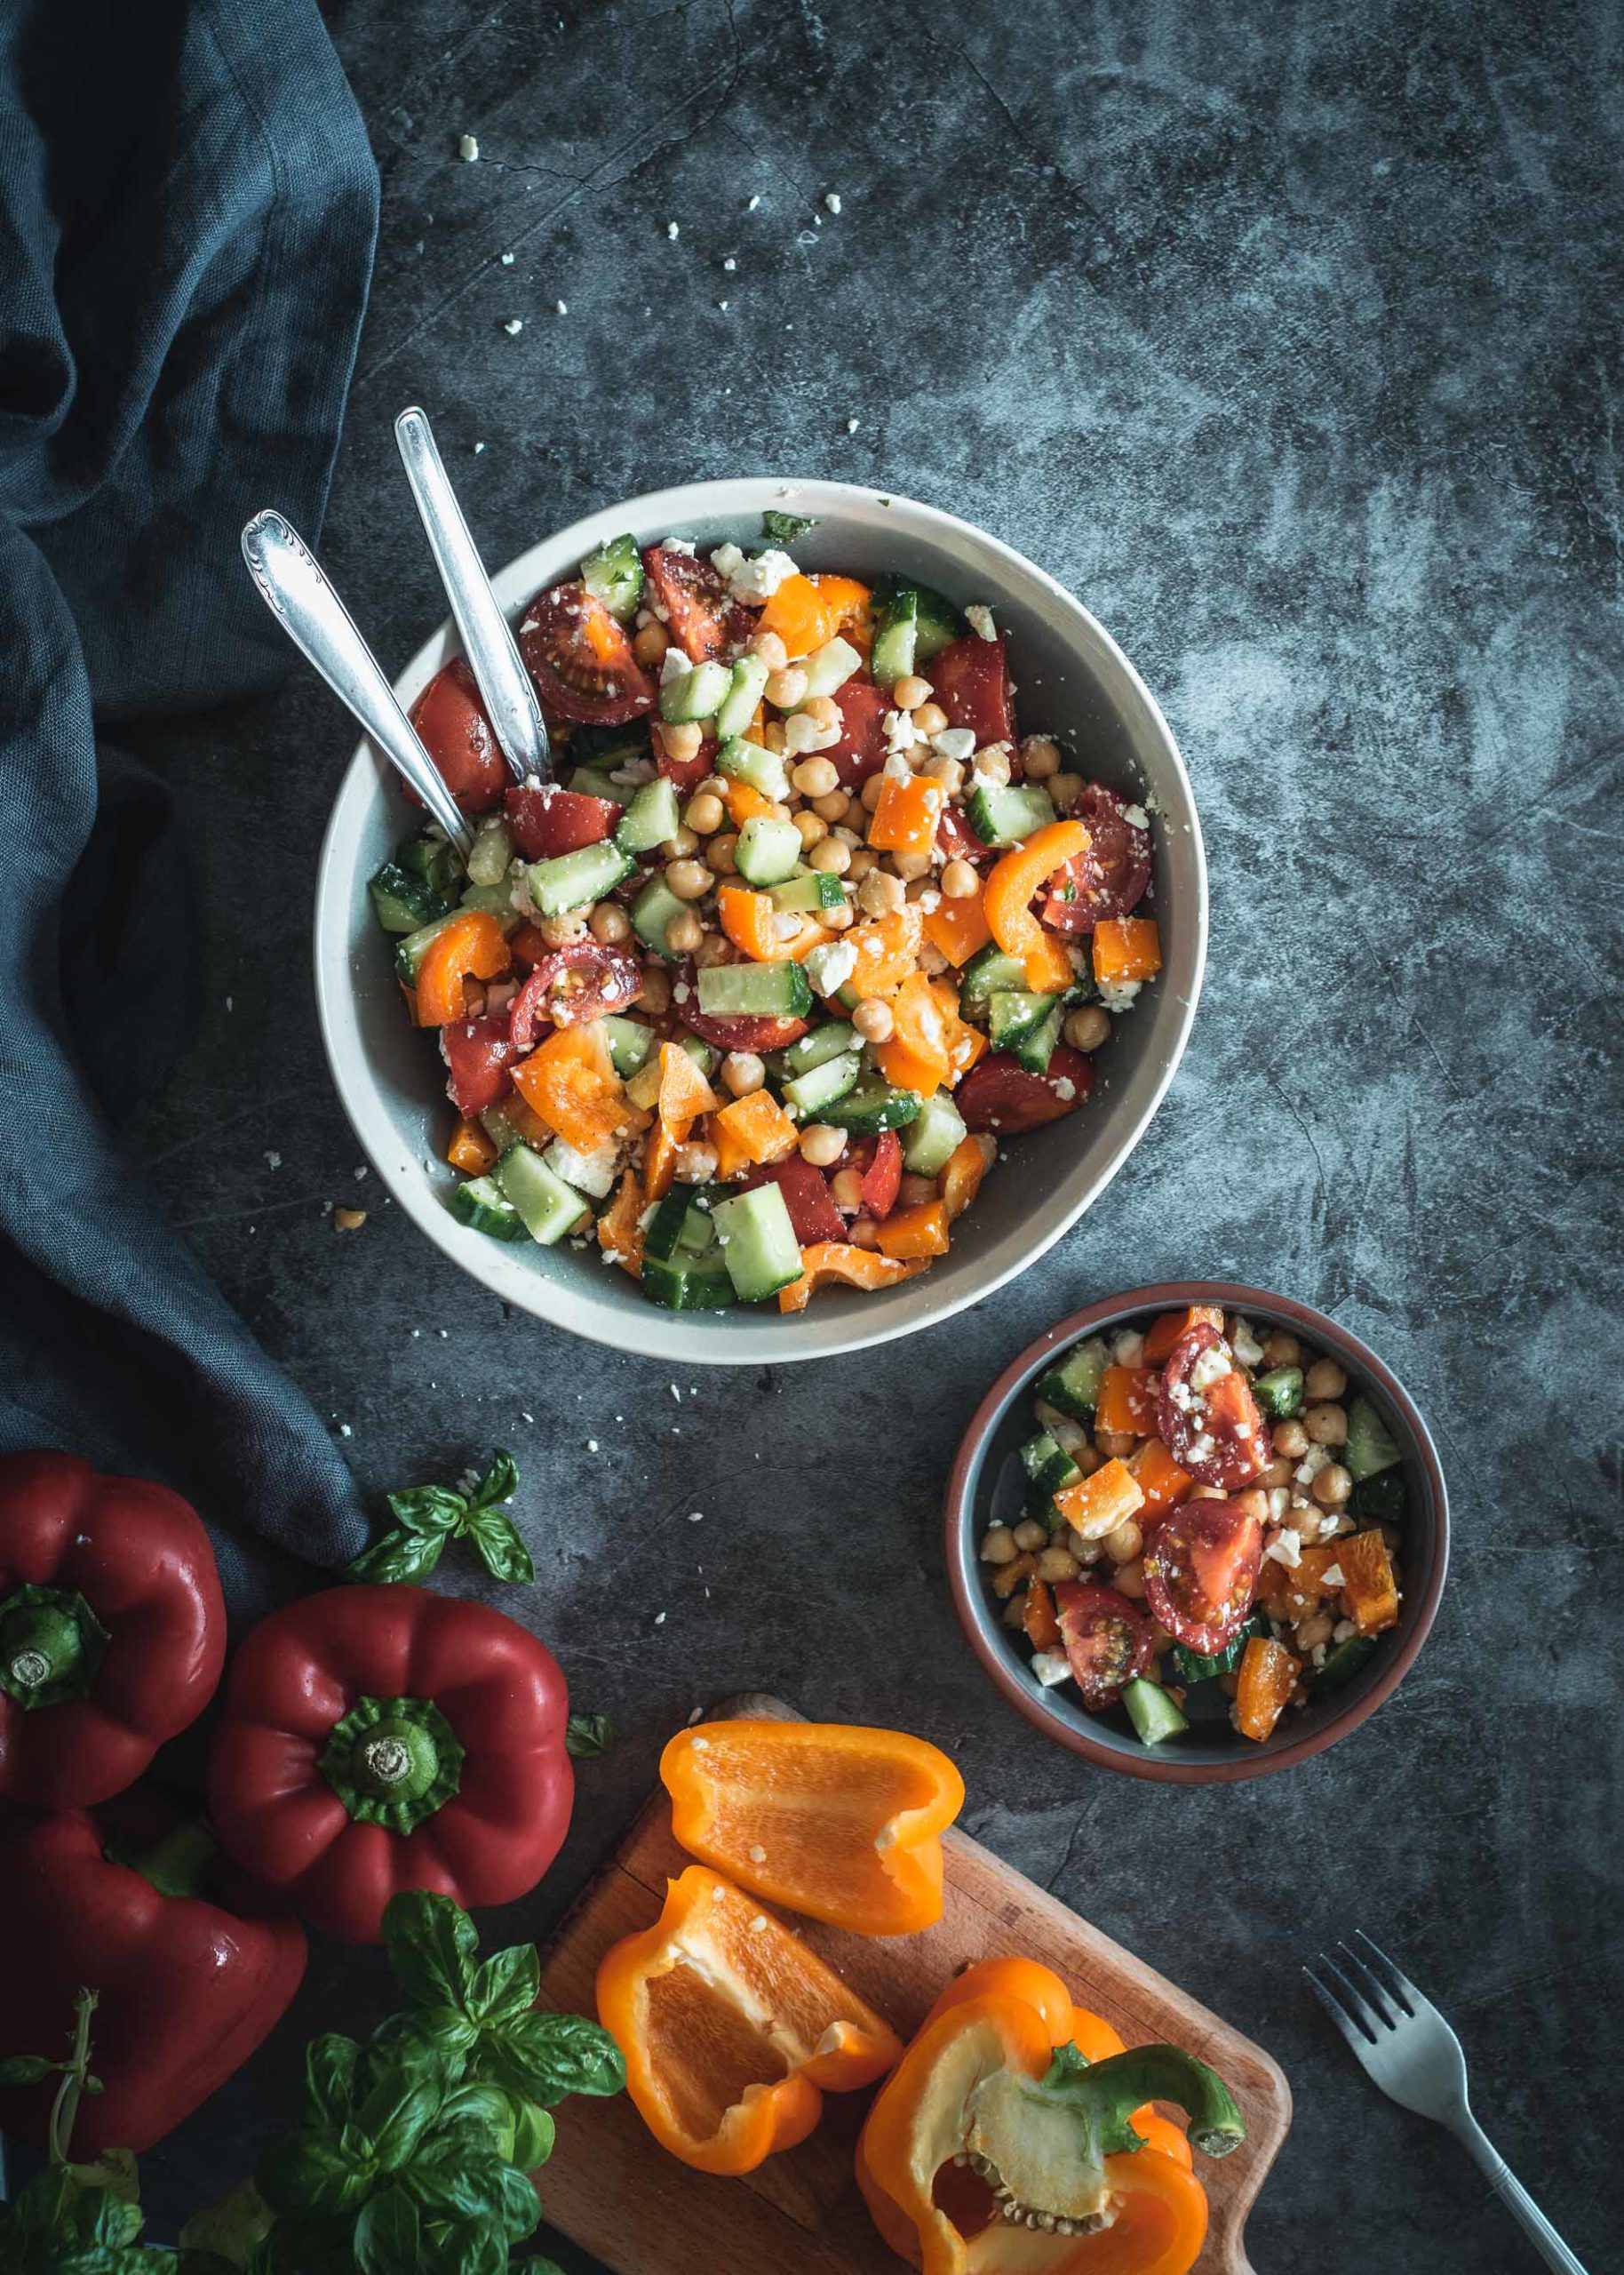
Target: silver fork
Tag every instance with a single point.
(1405, 2046)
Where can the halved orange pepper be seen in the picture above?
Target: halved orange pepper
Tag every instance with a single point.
(759, 1126)
(732, 2028)
(798, 612)
(848, 602)
(829, 1263)
(915, 1055)
(961, 1180)
(1010, 890)
(470, 1149)
(888, 949)
(573, 1087)
(841, 1823)
(1126, 948)
(958, 928)
(1159, 1478)
(1166, 1327)
(472, 946)
(1128, 1400)
(684, 1093)
(620, 1227)
(1268, 1672)
(908, 1234)
(1098, 1505)
(904, 820)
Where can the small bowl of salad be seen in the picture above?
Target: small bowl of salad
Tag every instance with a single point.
(1197, 1532)
(841, 960)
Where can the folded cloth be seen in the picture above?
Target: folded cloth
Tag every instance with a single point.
(187, 213)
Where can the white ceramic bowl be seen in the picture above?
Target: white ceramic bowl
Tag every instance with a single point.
(1072, 679)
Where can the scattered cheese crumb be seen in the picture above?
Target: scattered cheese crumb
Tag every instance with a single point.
(478, 447)
(758, 1923)
(980, 621)
(672, 231)
(659, 1619)
(273, 1161)
(468, 148)
(591, 1445)
(514, 327)
(851, 426)
(832, 200)
(507, 260)
(729, 265)
(1334, 1577)
(1051, 1667)
(696, 1516)
(345, 1431)
(758, 1855)
(561, 307)
(755, 202)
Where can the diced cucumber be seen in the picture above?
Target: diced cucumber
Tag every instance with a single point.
(769, 991)
(1074, 1384)
(550, 1208)
(1008, 814)
(895, 637)
(767, 851)
(495, 901)
(989, 972)
(875, 1105)
(415, 947)
(1279, 1392)
(737, 707)
(651, 818)
(816, 1050)
(1150, 1711)
(1013, 1012)
(1369, 1447)
(683, 1269)
(751, 762)
(811, 890)
(500, 1127)
(934, 1138)
(694, 694)
(402, 903)
(492, 850)
(758, 1242)
(704, 1056)
(1381, 1497)
(936, 621)
(1339, 1666)
(576, 880)
(630, 1045)
(1048, 1465)
(1036, 1048)
(613, 575)
(808, 1095)
(830, 666)
(652, 914)
(1199, 1666)
(435, 862)
(483, 1207)
(596, 781)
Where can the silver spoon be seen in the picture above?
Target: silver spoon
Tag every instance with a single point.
(488, 641)
(296, 591)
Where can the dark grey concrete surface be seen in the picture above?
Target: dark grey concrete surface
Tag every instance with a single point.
(1285, 336)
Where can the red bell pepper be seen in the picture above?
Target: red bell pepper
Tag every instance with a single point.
(192, 1966)
(112, 1629)
(380, 1738)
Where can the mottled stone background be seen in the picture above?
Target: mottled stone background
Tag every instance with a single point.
(1285, 336)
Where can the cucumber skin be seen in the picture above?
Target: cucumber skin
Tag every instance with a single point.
(1369, 1448)
(1150, 1711)
(728, 983)
(758, 1244)
(1057, 1387)
(872, 1106)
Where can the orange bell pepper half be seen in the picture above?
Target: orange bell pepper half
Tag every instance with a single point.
(1011, 2093)
(840, 1823)
(831, 1264)
(472, 946)
(732, 2028)
(1010, 889)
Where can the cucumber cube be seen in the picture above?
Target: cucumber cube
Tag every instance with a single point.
(758, 1242)
(769, 851)
(550, 1208)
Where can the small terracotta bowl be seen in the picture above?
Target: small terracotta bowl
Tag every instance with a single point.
(988, 1486)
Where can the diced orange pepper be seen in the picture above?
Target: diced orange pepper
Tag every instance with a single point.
(472, 946)
(620, 1228)
(660, 1160)
(799, 615)
(829, 1263)
(1267, 1674)
(963, 1043)
(573, 1087)
(909, 1233)
(887, 950)
(1037, 1617)
(961, 1180)
(470, 1149)
(732, 1160)
(1098, 1504)
(1159, 1478)
(517, 1110)
(850, 1818)
(848, 604)
(1297, 1593)
(747, 918)
(1166, 1327)
(760, 1126)
(905, 820)
(915, 1056)
(1126, 948)
(732, 2027)
(958, 928)
(1127, 1401)
(744, 801)
(1368, 1581)
(684, 1093)
(1010, 889)
(604, 635)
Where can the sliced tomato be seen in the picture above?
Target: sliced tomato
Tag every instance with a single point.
(454, 728)
(812, 1214)
(573, 986)
(1201, 1564)
(1111, 877)
(1000, 1095)
(581, 659)
(1107, 1640)
(740, 1030)
(958, 841)
(686, 774)
(477, 1054)
(547, 820)
(882, 1179)
(691, 598)
(970, 680)
(861, 750)
(1215, 1435)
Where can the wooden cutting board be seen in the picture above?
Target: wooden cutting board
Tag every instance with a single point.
(614, 2190)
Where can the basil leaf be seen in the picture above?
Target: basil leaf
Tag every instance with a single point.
(545, 2058)
(482, 2251)
(230, 2229)
(429, 1508)
(490, 2107)
(588, 1735)
(507, 1986)
(27, 2069)
(399, 1556)
(436, 2037)
(786, 529)
(454, 2179)
(306, 2173)
(500, 1481)
(521, 2210)
(388, 2233)
(496, 1538)
(431, 1943)
(330, 2079)
(405, 2124)
(539, 2267)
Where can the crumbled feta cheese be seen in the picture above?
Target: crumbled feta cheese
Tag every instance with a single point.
(980, 620)
(478, 449)
(468, 148)
(803, 733)
(729, 265)
(561, 307)
(954, 742)
(831, 202)
(1120, 995)
(1279, 1502)
(590, 1173)
(1342, 1630)
(1051, 1667)
(672, 231)
(851, 426)
(674, 664)
(755, 581)
(1137, 818)
(1202, 1444)
(696, 1516)
(1063, 1087)
(831, 966)
(1246, 1347)
(726, 559)
(1286, 1548)
(680, 545)
(514, 326)
(1210, 1367)
(1334, 1577)
(755, 202)
(273, 1161)
(1312, 1464)
(1127, 1347)
(507, 260)
(758, 1855)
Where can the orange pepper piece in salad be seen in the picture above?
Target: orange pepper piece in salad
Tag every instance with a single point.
(829, 1263)
(915, 1055)
(1126, 948)
(758, 1127)
(904, 820)
(684, 1093)
(911, 1233)
(1010, 889)
(471, 946)
(798, 612)
(958, 928)
(572, 1086)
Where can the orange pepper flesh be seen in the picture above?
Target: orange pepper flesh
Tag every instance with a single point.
(905, 820)
(1127, 1401)
(472, 946)
(1009, 891)
(744, 801)
(732, 2028)
(848, 604)
(1268, 1672)
(911, 1233)
(798, 612)
(887, 950)
(958, 928)
(572, 1085)
(620, 1229)
(1368, 1582)
(1166, 1327)
(830, 1264)
(1159, 1478)
(684, 1093)
(961, 1180)
(850, 1818)
(1126, 948)
(1098, 1505)
(470, 1149)
(759, 1126)
(915, 1057)
(660, 1160)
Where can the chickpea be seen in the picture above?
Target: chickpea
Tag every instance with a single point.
(785, 688)
(1116, 1445)
(871, 792)
(684, 933)
(992, 759)
(772, 736)
(1280, 1350)
(721, 853)
(609, 924)
(651, 642)
(683, 743)
(1056, 1564)
(997, 1545)
(862, 862)
(812, 826)
(880, 893)
(947, 771)
(679, 845)
(1040, 756)
(1333, 1486)
(1207, 1493)
(864, 1234)
(846, 1190)
(1086, 1458)
(564, 932)
(712, 949)
(655, 993)
(836, 920)
(1325, 1379)
(742, 1072)
(705, 814)
(1311, 1633)
(914, 1191)
(873, 1021)
(771, 650)
(1254, 1502)
(1066, 789)
(834, 808)
(959, 881)
(1014, 1613)
(1129, 1581)
(929, 719)
(689, 880)
(821, 1144)
(1327, 1425)
(1123, 1544)
(825, 709)
(1279, 1471)
(1291, 1439)
(911, 867)
(1031, 1535)
(830, 858)
(908, 694)
(1088, 1029)
(695, 1164)
(815, 778)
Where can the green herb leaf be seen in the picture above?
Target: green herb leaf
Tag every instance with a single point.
(507, 1986)
(399, 1556)
(330, 2079)
(452, 2180)
(441, 2035)
(548, 2056)
(230, 2230)
(431, 1943)
(534, 2134)
(496, 1538)
(115, 2170)
(520, 2211)
(588, 1735)
(429, 1508)
(481, 2251)
(500, 1481)
(786, 529)
(306, 2171)
(27, 2069)
(388, 2233)
(398, 2122)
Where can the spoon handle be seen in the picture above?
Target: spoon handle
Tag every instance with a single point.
(509, 692)
(297, 592)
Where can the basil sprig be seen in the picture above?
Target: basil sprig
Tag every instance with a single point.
(428, 1517)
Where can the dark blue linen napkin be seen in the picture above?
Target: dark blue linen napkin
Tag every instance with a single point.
(187, 214)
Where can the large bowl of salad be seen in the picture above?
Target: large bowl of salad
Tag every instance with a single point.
(837, 969)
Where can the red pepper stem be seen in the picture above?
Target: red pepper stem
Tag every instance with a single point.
(175, 1864)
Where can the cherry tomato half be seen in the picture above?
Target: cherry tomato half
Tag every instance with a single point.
(581, 659)
(958, 841)
(692, 596)
(861, 750)
(1111, 876)
(1201, 1564)
(1216, 1434)
(454, 727)
(882, 1178)
(812, 1215)
(1002, 1096)
(970, 680)
(574, 985)
(1107, 1639)
(547, 820)
(477, 1054)
(686, 774)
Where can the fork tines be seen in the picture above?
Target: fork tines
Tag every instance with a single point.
(1362, 2003)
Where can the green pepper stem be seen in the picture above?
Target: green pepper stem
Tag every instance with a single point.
(1121, 2083)
(392, 1761)
(40, 1643)
(65, 2108)
(175, 1864)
